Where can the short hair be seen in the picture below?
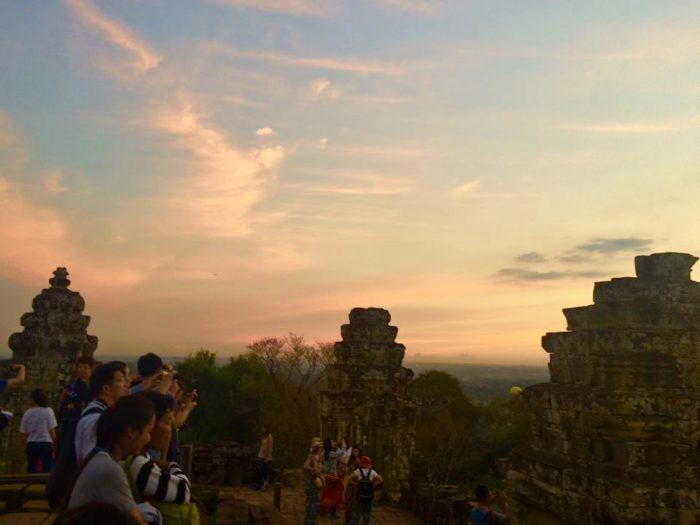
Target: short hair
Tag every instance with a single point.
(161, 402)
(85, 360)
(133, 411)
(39, 397)
(104, 375)
(149, 364)
(481, 492)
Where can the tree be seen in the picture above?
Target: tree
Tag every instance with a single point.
(296, 371)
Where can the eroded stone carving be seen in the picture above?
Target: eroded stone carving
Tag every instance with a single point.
(366, 399)
(616, 432)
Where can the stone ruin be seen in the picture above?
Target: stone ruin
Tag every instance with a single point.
(616, 432)
(367, 399)
(54, 336)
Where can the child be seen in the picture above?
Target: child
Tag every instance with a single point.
(39, 424)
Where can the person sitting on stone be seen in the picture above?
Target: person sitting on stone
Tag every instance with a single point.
(161, 483)
(483, 514)
(19, 378)
(152, 375)
(365, 480)
(108, 383)
(123, 430)
(39, 424)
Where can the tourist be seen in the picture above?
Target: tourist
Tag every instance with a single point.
(332, 492)
(75, 397)
(183, 402)
(482, 514)
(350, 488)
(354, 459)
(366, 480)
(265, 457)
(123, 430)
(108, 383)
(313, 482)
(39, 424)
(152, 375)
(162, 483)
(19, 376)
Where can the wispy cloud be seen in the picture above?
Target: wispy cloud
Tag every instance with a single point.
(356, 183)
(616, 245)
(465, 188)
(310, 8)
(641, 128)
(414, 7)
(522, 274)
(140, 57)
(264, 132)
(531, 257)
(351, 65)
(222, 183)
(317, 87)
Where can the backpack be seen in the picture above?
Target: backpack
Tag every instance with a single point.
(66, 464)
(172, 513)
(365, 487)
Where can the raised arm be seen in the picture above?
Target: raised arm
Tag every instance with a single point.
(20, 378)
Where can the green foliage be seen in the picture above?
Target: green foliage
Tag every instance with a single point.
(231, 398)
(275, 383)
(458, 441)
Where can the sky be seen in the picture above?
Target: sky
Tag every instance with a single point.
(217, 171)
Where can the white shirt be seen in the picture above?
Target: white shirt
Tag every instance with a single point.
(36, 423)
(86, 432)
(363, 471)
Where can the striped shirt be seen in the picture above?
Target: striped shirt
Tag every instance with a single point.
(153, 483)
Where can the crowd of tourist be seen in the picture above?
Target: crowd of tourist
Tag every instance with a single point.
(112, 448)
(339, 479)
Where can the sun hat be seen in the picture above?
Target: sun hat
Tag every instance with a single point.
(316, 443)
(365, 462)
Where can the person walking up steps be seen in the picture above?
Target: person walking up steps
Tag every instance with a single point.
(366, 480)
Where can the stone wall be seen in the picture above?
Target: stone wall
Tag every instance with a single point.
(54, 336)
(616, 432)
(367, 400)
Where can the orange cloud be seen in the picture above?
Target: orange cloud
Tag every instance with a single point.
(141, 58)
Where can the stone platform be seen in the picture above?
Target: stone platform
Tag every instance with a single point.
(293, 506)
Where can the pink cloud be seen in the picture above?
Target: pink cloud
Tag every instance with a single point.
(312, 8)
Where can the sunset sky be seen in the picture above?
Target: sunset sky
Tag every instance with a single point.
(212, 172)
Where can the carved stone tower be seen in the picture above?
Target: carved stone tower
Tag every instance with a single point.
(54, 336)
(616, 432)
(366, 399)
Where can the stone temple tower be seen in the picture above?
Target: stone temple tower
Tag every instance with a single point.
(366, 399)
(616, 432)
(54, 336)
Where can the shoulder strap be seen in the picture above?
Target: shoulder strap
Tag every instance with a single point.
(64, 503)
(97, 409)
(365, 478)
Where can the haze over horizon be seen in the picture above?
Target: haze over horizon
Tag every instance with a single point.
(214, 172)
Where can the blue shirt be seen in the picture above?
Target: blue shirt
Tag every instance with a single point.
(3, 384)
(479, 517)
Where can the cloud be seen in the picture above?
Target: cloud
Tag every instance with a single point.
(351, 65)
(611, 246)
(55, 181)
(264, 132)
(414, 7)
(141, 58)
(636, 128)
(310, 8)
(465, 188)
(521, 274)
(317, 87)
(531, 257)
(220, 184)
(357, 183)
